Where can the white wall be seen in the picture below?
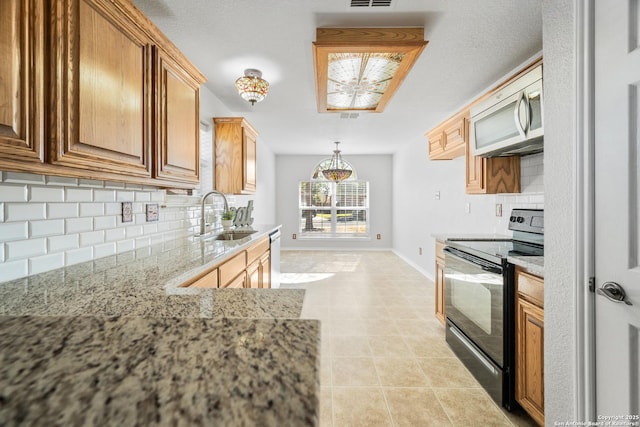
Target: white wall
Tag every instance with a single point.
(560, 275)
(418, 215)
(374, 168)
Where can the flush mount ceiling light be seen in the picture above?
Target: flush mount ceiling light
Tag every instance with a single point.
(252, 87)
(338, 169)
(359, 69)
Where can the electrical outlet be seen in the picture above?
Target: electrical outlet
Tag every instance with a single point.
(378, 236)
(467, 207)
(437, 195)
(498, 209)
(294, 236)
(419, 251)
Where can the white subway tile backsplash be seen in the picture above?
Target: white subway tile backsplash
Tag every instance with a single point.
(14, 270)
(45, 263)
(142, 242)
(91, 209)
(142, 196)
(115, 234)
(25, 248)
(62, 210)
(113, 209)
(104, 195)
(61, 181)
(62, 243)
(78, 194)
(48, 222)
(13, 193)
(23, 178)
(46, 228)
(104, 249)
(134, 231)
(24, 211)
(46, 194)
(124, 196)
(115, 185)
(125, 245)
(90, 183)
(78, 225)
(91, 238)
(76, 256)
(13, 231)
(158, 196)
(104, 222)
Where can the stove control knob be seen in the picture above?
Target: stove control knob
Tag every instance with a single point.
(520, 220)
(512, 219)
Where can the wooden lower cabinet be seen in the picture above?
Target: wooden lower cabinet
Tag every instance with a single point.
(530, 344)
(209, 280)
(439, 282)
(250, 268)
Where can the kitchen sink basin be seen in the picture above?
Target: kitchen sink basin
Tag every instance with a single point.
(234, 235)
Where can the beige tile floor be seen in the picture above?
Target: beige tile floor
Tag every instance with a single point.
(384, 361)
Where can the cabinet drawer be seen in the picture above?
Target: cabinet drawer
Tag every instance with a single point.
(209, 280)
(255, 251)
(530, 286)
(230, 269)
(238, 282)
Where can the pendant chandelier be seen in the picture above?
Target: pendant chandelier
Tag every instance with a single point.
(338, 170)
(252, 87)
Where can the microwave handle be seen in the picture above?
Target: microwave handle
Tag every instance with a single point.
(522, 129)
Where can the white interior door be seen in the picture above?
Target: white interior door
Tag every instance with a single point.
(617, 186)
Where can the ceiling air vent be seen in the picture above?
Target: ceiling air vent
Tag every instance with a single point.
(370, 3)
(349, 115)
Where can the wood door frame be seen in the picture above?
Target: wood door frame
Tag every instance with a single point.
(584, 205)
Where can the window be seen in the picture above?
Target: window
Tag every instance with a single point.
(328, 209)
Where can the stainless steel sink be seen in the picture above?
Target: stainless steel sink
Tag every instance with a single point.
(234, 235)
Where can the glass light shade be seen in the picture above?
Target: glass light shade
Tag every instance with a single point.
(359, 80)
(337, 170)
(252, 87)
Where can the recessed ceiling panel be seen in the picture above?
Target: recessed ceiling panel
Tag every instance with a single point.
(359, 69)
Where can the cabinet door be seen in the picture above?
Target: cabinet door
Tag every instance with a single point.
(209, 280)
(239, 281)
(249, 161)
(21, 81)
(177, 121)
(530, 358)
(253, 275)
(102, 96)
(265, 270)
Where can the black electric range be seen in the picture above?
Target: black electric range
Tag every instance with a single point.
(480, 301)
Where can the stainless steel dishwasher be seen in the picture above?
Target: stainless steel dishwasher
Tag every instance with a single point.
(274, 239)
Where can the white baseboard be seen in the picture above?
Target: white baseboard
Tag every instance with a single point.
(414, 265)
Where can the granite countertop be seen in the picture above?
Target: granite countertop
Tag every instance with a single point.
(533, 264)
(78, 371)
(116, 339)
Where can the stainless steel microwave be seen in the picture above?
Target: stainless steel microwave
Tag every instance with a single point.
(510, 122)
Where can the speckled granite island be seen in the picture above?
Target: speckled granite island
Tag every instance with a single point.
(114, 342)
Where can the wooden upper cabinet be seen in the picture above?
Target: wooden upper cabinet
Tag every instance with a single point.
(492, 175)
(177, 120)
(235, 155)
(22, 64)
(102, 100)
(449, 139)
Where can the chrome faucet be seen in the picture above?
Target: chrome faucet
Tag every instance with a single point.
(204, 198)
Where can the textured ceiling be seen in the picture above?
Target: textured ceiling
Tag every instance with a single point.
(472, 44)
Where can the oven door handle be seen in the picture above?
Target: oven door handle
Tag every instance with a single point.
(476, 262)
